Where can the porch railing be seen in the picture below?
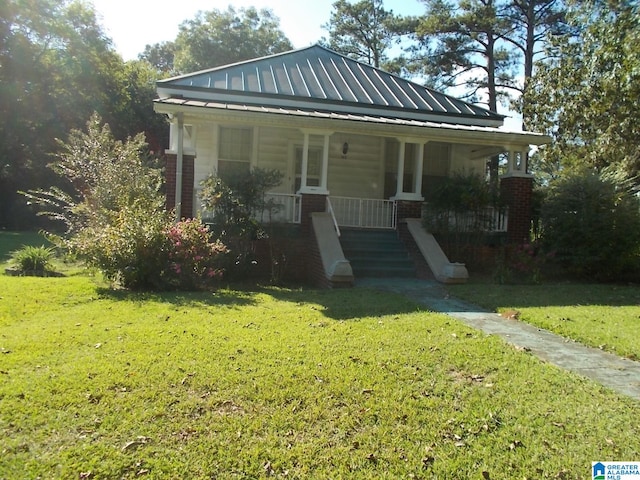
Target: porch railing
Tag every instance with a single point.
(287, 209)
(364, 212)
(333, 216)
(489, 219)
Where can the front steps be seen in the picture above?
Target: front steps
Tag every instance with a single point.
(376, 253)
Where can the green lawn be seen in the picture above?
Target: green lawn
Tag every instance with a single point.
(282, 383)
(602, 316)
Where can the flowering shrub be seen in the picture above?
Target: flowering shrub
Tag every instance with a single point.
(522, 264)
(193, 260)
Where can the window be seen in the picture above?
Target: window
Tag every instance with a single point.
(234, 151)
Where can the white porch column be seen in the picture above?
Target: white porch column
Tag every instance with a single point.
(400, 180)
(418, 169)
(305, 162)
(179, 161)
(325, 162)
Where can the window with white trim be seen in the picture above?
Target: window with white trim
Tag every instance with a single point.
(235, 145)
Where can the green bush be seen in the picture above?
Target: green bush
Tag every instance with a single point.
(592, 224)
(116, 219)
(33, 259)
(194, 261)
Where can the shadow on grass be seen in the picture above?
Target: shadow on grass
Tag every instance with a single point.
(347, 304)
(187, 299)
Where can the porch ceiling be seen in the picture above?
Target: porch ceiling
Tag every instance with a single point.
(369, 124)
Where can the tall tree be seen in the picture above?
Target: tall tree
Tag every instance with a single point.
(532, 22)
(161, 56)
(460, 47)
(217, 37)
(586, 94)
(365, 31)
(57, 67)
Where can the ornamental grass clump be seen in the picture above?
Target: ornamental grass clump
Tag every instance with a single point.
(33, 260)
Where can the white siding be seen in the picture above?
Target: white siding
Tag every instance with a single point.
(359, 172)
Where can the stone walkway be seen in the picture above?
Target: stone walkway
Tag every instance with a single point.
(619, 374)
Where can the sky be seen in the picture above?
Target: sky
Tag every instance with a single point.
(132, 24)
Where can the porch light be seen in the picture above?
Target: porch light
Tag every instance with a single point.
(345, 148)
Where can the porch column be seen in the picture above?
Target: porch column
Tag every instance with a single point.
(325, 162)
(305, 162)
(400, 180)
(418, 169)
(179, 159)
(516, 188)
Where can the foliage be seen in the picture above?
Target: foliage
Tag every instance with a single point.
(458, 211)
(239, 203)
(365, 31)
(240, 211)
(218, 37)
(33, 259)
(521, 263)
(117, 222)
(593, 113)
(57, 66)
(593, 223)
(194, 261)
(256, 384)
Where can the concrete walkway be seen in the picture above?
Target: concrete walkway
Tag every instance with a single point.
(619, 374)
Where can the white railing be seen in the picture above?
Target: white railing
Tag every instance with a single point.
(489, 220)
(287, 208)
(333, 216)
(364, 212)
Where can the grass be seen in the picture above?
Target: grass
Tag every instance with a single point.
(281, 383)
(599, 315)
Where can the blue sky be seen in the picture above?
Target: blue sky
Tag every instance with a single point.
(132, 24)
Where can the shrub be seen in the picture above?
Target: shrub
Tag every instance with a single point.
(33, 259)
(116, 221)
(457, 212)
(241, 211)
(593, 223)
(194, 261)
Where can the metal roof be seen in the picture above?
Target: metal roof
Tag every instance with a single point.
(170, 105)
(322, 79)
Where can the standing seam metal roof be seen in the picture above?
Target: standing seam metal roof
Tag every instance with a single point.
(318, 74)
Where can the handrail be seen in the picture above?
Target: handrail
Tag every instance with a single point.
(333, 216)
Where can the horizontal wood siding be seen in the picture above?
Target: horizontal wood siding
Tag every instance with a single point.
(274, 152)
(359, 172)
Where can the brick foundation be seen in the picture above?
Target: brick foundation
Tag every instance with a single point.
(517, 193)
(186, 209)
(408, 209)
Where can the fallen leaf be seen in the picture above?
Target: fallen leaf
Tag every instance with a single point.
(133, 444)
(486, 475)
